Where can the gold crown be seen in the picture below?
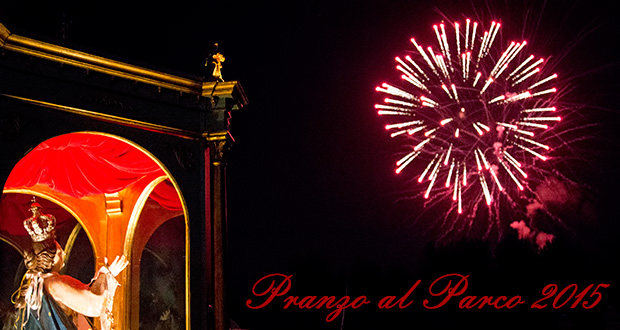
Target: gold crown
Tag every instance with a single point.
(39, 226)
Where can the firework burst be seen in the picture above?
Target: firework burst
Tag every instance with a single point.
(475, 113)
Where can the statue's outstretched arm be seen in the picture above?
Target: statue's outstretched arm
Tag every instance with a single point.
(93, 300)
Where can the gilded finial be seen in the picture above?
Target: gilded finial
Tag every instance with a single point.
(214, 63)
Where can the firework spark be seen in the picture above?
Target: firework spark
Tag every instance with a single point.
(472, 109)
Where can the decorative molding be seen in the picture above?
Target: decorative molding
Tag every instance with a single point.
(219, 145)
(66, 56)
(113, 204)
(110, 118)
(107, 102)
(4, 34)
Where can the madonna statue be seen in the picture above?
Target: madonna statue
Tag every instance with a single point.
(47, 300)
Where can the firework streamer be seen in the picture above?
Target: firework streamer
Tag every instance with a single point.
(475, 112)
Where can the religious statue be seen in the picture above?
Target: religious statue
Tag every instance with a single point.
(47, 300)
(214, 64)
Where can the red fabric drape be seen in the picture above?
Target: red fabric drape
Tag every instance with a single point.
(167, 196)
(82, 164)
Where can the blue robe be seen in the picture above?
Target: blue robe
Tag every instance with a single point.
(49, 317)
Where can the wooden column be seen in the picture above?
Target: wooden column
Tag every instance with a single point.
(219, 143)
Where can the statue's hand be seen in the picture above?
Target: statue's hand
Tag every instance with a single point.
(118, 265)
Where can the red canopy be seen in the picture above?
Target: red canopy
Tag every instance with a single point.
(83, 164)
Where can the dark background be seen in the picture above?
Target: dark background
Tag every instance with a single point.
(312, 191)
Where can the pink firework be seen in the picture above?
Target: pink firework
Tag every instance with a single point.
(472, 110)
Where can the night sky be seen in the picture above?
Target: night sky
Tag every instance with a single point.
(311, 185)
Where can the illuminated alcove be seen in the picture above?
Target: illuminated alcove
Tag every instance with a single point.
(110, 196)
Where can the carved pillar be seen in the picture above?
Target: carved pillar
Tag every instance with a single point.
(219, 142)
